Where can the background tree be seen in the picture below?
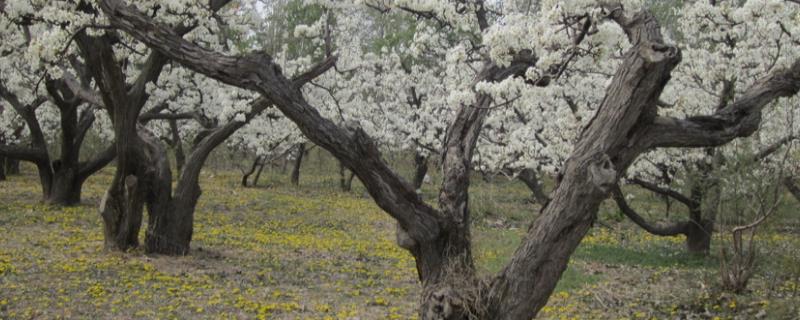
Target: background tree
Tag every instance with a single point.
(54, 112)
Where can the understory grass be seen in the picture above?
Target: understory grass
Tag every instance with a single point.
(313, 252)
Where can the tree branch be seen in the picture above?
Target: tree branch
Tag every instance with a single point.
(23, 153)
(155, 61)
(665, 191)
(315, 71)
(673, 229)
(147, 117)
(100, 160)
(84, 124)
(739, 119)
(257, 71)
(769, 150)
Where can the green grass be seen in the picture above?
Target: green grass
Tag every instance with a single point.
(655, 257)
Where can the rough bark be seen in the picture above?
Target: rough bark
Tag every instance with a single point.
(298, 161)
(121, 210)
(608, 145)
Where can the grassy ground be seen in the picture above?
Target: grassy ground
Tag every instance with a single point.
(311, 252)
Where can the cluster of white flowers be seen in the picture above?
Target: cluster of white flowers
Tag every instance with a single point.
(404, 69)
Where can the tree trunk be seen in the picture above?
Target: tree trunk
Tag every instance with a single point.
(704, 192)
(698, 236)
(258, 173)
(171, 217)
(420, 170)
(698, 229)
(45, 172)
(531, 180)
(123, 205)
(66, 188)
(298, 161)
(247, 174)
(284, 164)
(141, 175)
(121, 210)
(170, 227)
(345, 178)
(2, 168)
(167, 216)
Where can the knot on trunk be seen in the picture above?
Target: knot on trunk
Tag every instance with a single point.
(654, 52)
(602, 173)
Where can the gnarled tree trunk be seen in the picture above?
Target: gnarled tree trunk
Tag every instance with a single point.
(171, 215)
(141, 175)
(66, 187)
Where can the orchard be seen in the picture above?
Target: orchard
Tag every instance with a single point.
(426, 159)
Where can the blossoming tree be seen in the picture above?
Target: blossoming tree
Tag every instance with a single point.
(626, 124)
(109, 70)
(43, 113)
